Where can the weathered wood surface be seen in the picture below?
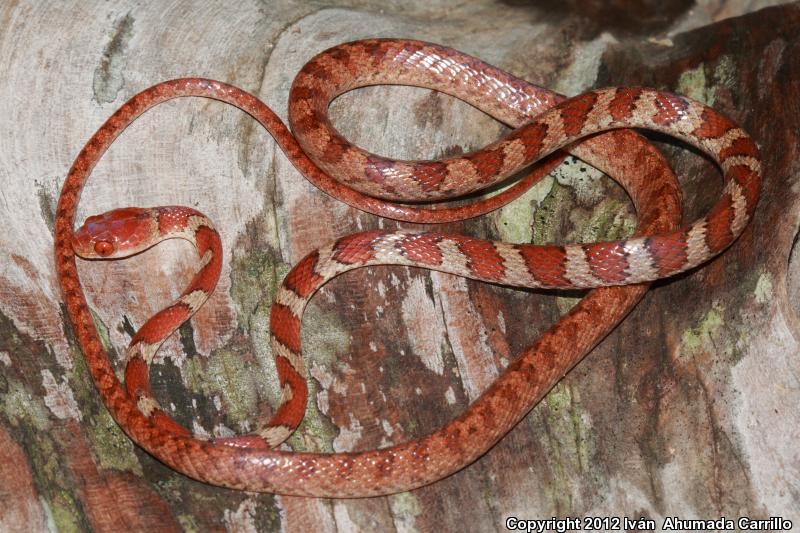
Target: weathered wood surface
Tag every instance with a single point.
(689, 409)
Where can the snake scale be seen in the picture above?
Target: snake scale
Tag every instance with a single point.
(591, 126)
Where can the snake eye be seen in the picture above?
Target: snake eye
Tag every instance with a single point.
(103, 248)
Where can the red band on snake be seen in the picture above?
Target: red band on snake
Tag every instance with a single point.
(545, 123)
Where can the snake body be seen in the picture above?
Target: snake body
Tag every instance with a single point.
(544, 122)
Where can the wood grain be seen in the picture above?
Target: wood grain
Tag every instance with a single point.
(687, 409)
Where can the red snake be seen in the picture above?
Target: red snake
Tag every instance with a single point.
(544, 122)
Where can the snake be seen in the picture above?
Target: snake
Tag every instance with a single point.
(594, 126)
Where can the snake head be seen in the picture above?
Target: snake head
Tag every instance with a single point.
(117, 233)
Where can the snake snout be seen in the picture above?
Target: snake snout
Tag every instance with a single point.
(88, 244)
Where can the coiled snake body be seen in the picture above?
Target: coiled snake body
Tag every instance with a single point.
(545, 123)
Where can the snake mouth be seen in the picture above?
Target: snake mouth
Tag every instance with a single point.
(75, 244)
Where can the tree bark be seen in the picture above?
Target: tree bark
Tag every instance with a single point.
(688, 409)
